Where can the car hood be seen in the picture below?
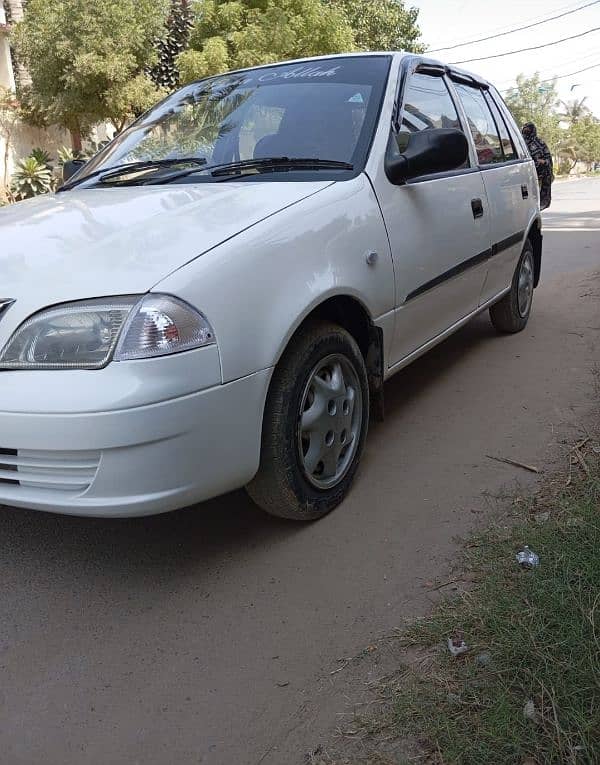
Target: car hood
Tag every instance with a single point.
(96, 242)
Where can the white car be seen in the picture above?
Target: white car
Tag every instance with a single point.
(216, 298)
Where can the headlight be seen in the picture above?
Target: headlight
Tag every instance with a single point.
(88, 334)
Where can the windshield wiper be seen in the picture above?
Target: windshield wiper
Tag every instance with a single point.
(266, 164)
(276, 163)
(105, 175)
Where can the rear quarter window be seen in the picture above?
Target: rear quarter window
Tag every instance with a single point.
(508, 146)
(513, 128)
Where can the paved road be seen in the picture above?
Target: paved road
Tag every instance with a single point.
(208, 635)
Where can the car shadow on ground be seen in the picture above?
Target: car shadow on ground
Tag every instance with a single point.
(231, 523)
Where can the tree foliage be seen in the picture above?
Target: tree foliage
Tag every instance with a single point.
(30, 179)
(534, 100)
(87, 61)
(569, 128)
(240, 33)
(573, 111)
(383, 24)
(165, 72)
(583, 138)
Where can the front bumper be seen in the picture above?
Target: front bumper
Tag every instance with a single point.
(135, 461)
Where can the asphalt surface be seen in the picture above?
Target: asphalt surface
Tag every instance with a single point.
(209, 635)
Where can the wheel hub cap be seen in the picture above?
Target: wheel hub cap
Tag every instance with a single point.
(330, 421)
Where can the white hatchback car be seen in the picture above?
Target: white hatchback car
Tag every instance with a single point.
(216, 298)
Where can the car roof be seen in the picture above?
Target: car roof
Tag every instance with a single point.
(418, 59)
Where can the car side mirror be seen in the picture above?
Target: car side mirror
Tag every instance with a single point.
(428, 151)
(71, 167)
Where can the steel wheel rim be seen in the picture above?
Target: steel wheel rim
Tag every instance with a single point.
(329, 421)
(525, 288)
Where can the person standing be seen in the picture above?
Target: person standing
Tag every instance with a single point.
(540, 153)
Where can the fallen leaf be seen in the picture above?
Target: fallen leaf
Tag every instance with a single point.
(529, 711)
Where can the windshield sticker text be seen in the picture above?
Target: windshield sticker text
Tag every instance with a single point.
(303, 71)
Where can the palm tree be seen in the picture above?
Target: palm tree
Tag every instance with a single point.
(15, 9)
(15, 12)
(567, 153)
(574, 110)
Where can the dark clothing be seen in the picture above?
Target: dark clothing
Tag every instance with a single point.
(540, 154)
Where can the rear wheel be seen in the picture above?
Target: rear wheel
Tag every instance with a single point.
(511, 314)
(315, 425)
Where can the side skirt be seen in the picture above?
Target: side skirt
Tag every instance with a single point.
(446, 333)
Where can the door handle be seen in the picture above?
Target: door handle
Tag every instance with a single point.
(524, 191)
(477, 207)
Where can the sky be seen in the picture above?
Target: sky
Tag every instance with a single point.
(449, 22)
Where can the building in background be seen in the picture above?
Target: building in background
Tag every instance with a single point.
(7, 77)
(24, 137)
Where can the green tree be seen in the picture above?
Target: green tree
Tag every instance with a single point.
(534, 100)
(229, 35)
(584, 137)
(573, 111)
(88, 61)
(383, 24)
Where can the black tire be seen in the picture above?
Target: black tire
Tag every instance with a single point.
(281, 486)
(506, 315)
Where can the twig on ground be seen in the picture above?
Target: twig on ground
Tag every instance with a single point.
(582, 462)
(570, 476)
(515, 463)
(344, 665)
(450, 581)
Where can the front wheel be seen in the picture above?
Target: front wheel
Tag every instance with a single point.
(315, 425)
(511, 314)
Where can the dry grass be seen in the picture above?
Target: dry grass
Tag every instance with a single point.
(533, 636)
(539, 633)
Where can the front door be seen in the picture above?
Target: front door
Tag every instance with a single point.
(439, 229)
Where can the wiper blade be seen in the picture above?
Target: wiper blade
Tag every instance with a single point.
(107, 174)
(276, 163)
(267, 164)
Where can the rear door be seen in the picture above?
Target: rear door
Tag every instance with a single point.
(438, 226)
(510, 187)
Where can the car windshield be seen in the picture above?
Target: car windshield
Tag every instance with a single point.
(324, 109)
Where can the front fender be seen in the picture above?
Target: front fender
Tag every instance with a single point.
(257, 288)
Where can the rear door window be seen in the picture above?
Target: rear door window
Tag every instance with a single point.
(482, 125)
